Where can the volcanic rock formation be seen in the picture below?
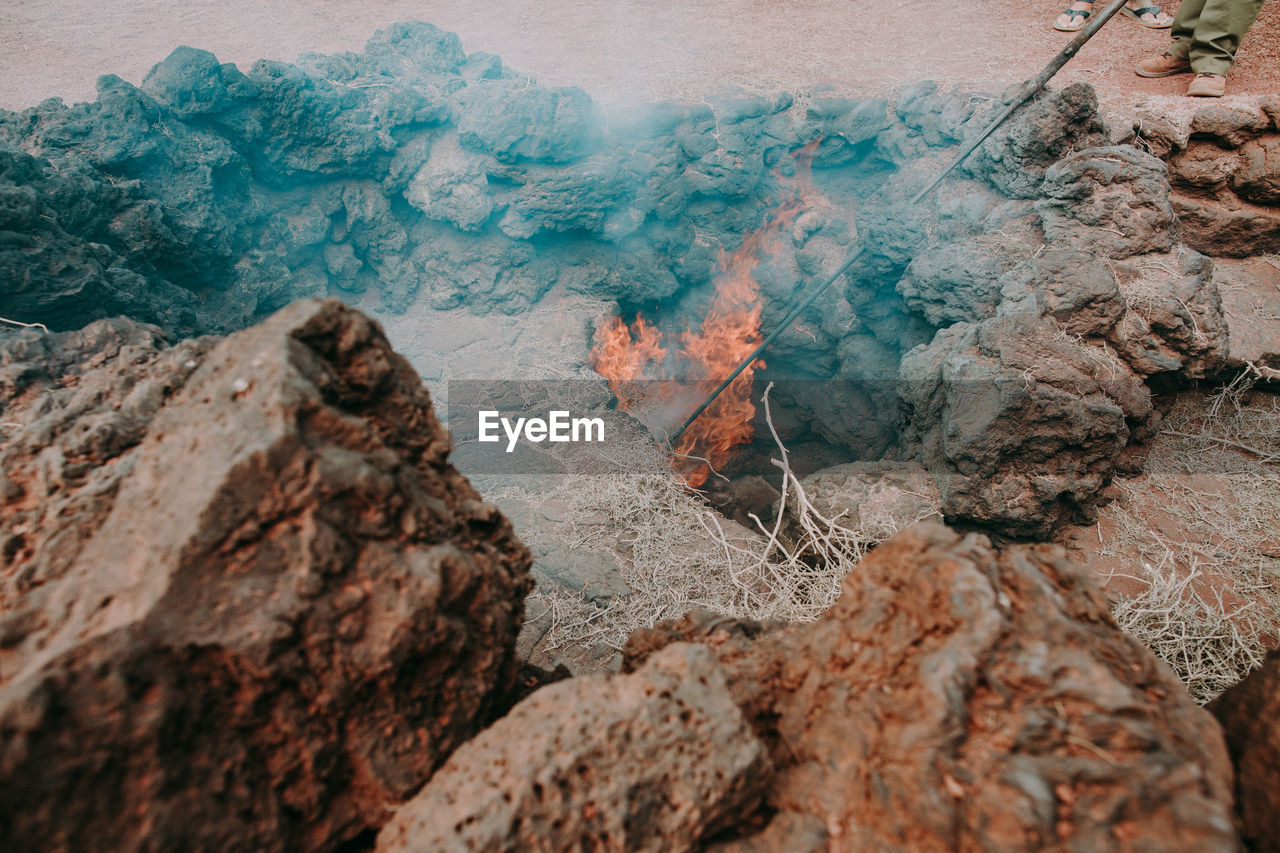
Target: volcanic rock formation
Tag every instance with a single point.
(957, 697)
(953, 698)
(656, 760)
(414, 175)
(1224, 165)
(1248, 713)
(246, 603)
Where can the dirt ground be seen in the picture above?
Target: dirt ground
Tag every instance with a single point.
(618, 50)
(1190, 549)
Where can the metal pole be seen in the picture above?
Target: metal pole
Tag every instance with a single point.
(1029, 88)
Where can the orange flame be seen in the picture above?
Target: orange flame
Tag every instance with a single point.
(625, 355)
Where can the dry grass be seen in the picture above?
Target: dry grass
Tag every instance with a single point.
(1145, 287)
(1104, 361)
(1207, 643)
(1199, 528)
(677, 554)
(1143, 283)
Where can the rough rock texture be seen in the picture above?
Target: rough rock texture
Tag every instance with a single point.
(954, 283)
(499, 117)
(416, 178)
(960, 698)
(1174, 321)
(1019, 423)
(1258, 177)
(1025, 408)
(1224, 168)
(1233, 230)
(656, 760)
(1113, 201)
(1014, 159)
(56, 253)
(1248, 713)
(940, 117)
(246, 602)
(1070, 287)
(208, 196)
(1250, 292)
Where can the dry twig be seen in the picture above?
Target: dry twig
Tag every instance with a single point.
(1199, 527)
(676, 554)
(41, 326)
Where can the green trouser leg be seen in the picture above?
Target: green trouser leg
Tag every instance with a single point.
(1208, 32)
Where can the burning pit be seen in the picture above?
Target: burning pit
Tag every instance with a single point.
(662, 377)
(415, 180)
(990, 356)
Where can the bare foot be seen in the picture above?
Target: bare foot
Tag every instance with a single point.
(1069, 22)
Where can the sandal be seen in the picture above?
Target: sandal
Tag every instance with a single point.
(1161, 20)
(1075, 18)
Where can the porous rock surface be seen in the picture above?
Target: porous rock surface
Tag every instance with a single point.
(1032, 393)
(1113, 200)
(416, 177)
(961, 698)
(246, 602)
(954, 283)
(410, 171)
(1072, 288)
(1015, 159)
(1018, 422)
(655, 760)
(1250, 292)
(1224, 168)
(1174, 322)
(1248, 713)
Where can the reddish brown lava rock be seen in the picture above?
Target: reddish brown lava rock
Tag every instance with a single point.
(960, 698)
(655, 760)
(1250, 713)
(1224, 168)
(1112, 200)
(245, 603)
(1019, 425)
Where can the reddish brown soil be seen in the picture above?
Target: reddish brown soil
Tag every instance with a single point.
(619, 49)
(1123, 576)
(1200, 521)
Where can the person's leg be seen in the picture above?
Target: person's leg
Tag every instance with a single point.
(1174, 60)
(1216, 35)
(1184, 27)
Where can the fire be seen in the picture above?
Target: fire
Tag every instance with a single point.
(627, 355)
